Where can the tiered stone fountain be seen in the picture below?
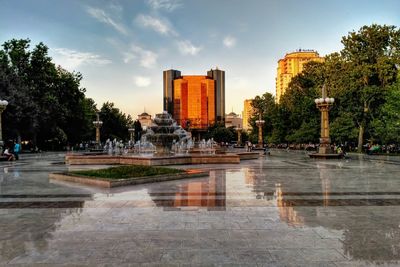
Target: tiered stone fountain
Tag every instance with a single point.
(165, 143)
(164, 133)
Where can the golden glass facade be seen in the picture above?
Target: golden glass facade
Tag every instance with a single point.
(248, 112)
(290, 66)
(194, 101)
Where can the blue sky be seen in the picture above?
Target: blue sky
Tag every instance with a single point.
(121, 47)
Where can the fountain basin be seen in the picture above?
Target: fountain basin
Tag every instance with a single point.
(79, 159)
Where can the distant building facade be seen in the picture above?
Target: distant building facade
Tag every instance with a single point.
(248, 112)
(195, 101)
(233, 120)
(291, 65)
(145, 120)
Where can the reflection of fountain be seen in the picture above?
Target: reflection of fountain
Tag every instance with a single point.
(164, 133)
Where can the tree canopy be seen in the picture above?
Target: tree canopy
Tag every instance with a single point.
(364, 80)
(47, 105)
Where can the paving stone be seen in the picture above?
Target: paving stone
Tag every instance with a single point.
(282, 210)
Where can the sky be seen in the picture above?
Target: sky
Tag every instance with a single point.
(121, 47)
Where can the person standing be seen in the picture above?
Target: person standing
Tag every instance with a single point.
(17, 150)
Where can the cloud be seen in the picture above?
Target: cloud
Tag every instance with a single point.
(159, 25)
(229, 41)
(103, 17)
(187, 48)
(147, 58)
(142, 81)
(71, 59)
(168, 5)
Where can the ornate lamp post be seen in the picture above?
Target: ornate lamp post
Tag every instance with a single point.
(3, 105)
(239, 133)
(260, 124)
(324, 104)
(132, 134)
(97, 124)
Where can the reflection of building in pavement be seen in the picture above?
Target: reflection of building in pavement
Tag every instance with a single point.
(249, 176)
(210, 193)
(286, 212)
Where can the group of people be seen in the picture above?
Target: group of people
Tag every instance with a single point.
(14, 153)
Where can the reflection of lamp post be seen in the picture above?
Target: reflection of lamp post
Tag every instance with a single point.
(324, 104)
(3, 105)
(97, 124)
(239, 137)
(132, 134)
(260, 124)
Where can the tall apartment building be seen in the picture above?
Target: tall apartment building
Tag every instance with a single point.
(168, 80)
(291, 65)
(195, 100)
(248, 112)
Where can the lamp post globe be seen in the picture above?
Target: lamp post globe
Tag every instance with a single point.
(260, 123)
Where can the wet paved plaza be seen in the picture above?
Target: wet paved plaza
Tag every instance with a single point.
(281, 210)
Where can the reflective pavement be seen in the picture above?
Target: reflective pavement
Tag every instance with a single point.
(280, 210)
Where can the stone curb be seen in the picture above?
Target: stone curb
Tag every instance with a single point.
(109, 183)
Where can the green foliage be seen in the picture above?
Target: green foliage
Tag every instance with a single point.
(343, 129)
(307, 132)
(46, 103)
(360, 77)
(138, 130)
(386, 127)
(123, 172)
(222, 134)
(372, 57)
(115, 123)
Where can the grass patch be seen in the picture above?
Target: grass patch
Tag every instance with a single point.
(123, 172)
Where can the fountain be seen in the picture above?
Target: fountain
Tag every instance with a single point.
(164, 143)
(165, 133)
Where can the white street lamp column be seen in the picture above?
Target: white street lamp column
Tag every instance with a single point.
(97, 124)
(132, 134)
(260, 124)
(3, 105)
(324, 104)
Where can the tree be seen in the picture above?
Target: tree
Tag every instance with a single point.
(45, 101)
(266, 108)
(222, 134)
(372, 56)
(115, 123)
(343, 128)
(138, 130)
(300, 119)
(386, 128)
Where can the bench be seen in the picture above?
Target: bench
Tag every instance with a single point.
(3, 158)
